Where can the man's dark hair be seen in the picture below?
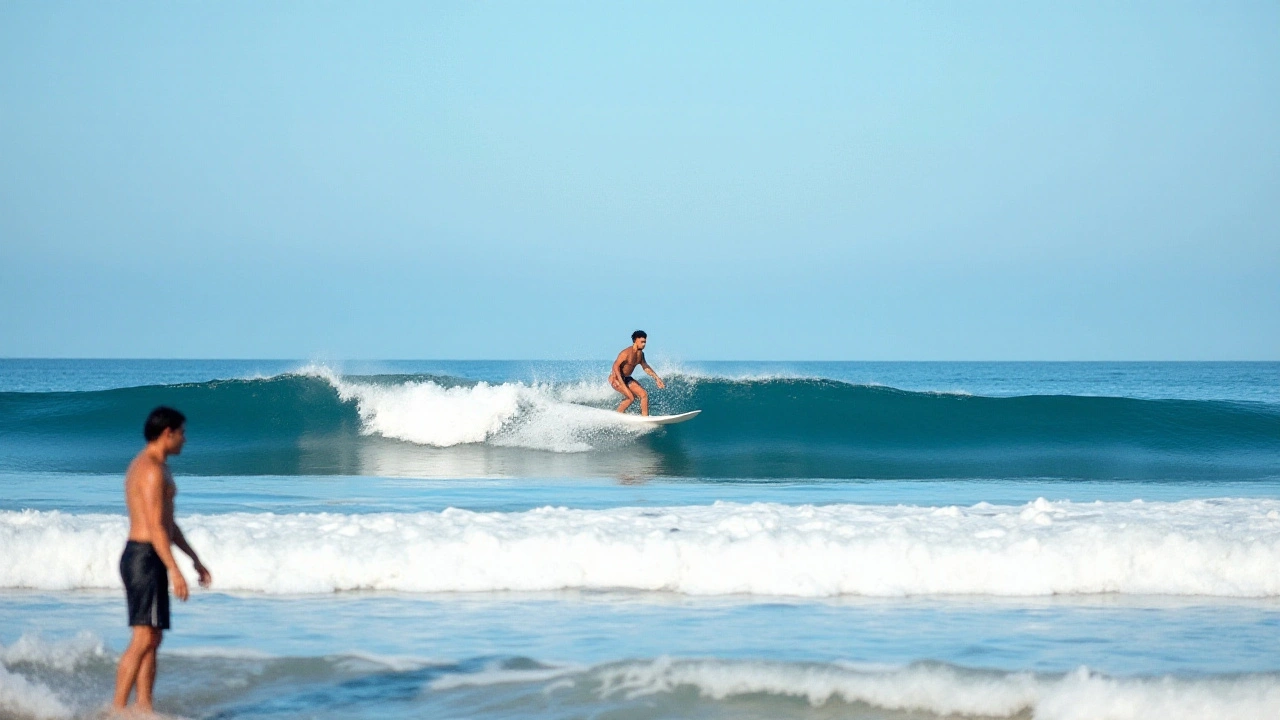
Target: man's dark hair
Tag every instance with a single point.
(161, 419)
(638, 334)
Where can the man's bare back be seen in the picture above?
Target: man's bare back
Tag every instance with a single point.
(620, 378)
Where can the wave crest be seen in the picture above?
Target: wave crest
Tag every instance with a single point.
(317, 422)
(945, 690)
(1224, 548)
(536, 417)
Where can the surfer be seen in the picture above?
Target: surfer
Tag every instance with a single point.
(626, 363)
(147, 564)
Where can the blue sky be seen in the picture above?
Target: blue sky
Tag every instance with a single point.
(880, 181)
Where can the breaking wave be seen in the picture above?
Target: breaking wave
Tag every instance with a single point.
(317, 422)
(1223, 548)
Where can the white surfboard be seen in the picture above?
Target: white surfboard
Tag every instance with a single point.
(660, 419)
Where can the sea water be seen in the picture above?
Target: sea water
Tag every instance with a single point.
(483, 539)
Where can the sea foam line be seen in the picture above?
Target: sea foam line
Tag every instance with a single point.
(949, 691)
(24, 698)
(535, 416)
(1228, 548)
(43, 679)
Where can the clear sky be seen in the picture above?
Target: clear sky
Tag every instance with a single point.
(878, 181)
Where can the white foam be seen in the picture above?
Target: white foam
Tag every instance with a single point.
(206, 652)
(537, 416)
(1227, 548)
(947, 690)
(63, 655)
(23, 698)
(938, 689)
(496, 675)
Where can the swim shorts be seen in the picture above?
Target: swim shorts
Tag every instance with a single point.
(146, 585)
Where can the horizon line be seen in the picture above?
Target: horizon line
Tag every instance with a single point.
(602, 360)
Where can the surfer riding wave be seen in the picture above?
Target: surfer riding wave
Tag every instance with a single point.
(620, 377)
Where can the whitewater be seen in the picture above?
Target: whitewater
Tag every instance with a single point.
(1227, 548)
(536, 416)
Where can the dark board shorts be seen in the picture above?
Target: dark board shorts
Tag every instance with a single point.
(146, 585)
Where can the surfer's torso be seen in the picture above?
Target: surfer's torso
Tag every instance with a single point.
(631, 359)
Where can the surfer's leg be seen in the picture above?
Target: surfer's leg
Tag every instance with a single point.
(622, 388)
(638, 389)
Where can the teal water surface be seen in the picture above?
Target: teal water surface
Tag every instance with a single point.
(1165, 449)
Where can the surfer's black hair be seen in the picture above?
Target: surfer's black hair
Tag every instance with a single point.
(161, 419)
(638, 334)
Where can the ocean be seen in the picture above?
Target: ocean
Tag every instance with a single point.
(484, 539)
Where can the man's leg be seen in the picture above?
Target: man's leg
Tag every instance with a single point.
(639, 390)
(147, 673)
(626, 393)
(143, 642)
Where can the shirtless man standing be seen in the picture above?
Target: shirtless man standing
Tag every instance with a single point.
(147, 564)
(626, 363)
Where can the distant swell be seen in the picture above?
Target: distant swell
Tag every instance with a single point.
(319, 423)
(1222, 548)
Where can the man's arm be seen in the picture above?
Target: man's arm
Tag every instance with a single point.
(181, 541)
(645, 364)
(151, 490)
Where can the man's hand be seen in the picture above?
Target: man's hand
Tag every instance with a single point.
(205, 577)
(661, 385)
(179, 585)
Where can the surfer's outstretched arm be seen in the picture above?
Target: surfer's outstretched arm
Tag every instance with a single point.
(645, 364)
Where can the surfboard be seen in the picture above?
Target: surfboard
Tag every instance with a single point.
(661, 419)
